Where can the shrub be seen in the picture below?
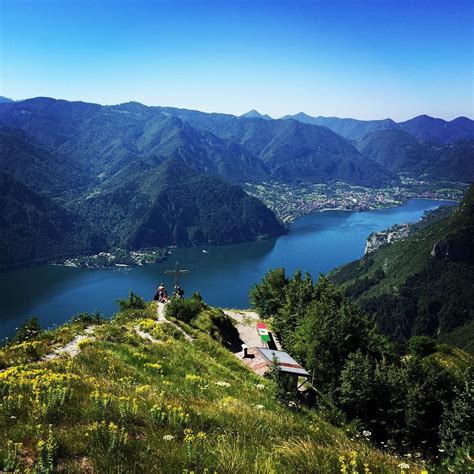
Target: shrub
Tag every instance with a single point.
(88, 318)
(184, 309)
(28, 330)
(132, 302)
(421, 346)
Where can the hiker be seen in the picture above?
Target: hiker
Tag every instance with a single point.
(161, 294)
(178, 292)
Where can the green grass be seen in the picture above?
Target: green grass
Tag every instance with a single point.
(124, 404)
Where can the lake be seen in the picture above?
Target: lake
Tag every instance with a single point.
(316, 243)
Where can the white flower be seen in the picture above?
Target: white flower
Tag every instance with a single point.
(366, 433)
(260, 386)
(404, 465)
(291, 403)
(259, 407)
(168, 437)
(223, 384)
(441, 450)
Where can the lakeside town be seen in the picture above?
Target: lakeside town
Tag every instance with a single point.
(119, 258)
(290, 201)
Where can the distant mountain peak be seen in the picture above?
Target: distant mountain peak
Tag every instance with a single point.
(255, 114)
(5, 99)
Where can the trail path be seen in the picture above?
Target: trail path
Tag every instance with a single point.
(145, 335)
(72, 348)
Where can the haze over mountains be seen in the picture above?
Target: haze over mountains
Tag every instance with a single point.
(151, 176)
(423, 127)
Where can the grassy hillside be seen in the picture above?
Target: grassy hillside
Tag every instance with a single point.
(422, 285)
(127, 404)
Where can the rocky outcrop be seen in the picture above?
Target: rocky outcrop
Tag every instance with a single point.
(394, 234)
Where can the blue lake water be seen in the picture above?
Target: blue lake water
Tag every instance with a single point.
(316, 243)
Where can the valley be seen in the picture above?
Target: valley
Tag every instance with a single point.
(290, 201)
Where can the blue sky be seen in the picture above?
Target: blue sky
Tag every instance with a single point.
(364, 59)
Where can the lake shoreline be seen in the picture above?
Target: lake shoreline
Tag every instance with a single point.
(317, 243)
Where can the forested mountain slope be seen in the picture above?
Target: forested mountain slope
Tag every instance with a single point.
(35, 229)
(422, 285)
(171, 204)
(438, 130)
(127, 176)
(347, 127)
(292, 150)
(237, 149)
(398, 151)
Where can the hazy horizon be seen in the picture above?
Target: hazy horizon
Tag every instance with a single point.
(229, 113)
(366, 60)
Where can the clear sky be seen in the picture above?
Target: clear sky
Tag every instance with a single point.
(364, 59)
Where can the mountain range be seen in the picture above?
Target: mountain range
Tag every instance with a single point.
(423, 127)
(144, 176)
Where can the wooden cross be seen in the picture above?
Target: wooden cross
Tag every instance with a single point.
(177, 271)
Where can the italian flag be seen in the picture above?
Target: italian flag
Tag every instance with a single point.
(263, 332)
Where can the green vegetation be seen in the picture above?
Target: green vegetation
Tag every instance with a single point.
(184, 309)
(422, 285)
(127, 404)
(401, 152)
(400, 400)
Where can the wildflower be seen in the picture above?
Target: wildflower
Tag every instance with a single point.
(168, 437)
(404, 466)
(193, 378)
(223, 384)
(188, 435)
(292, 404)
(441, 450)
(143, 389)
(260, 386)
(153, 366)
(201, 435)
(259, 407)
(366, 433)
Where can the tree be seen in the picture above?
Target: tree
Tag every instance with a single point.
(457, 427)
(330, 330)
(267, 297)
(298, 294)
(356, 390)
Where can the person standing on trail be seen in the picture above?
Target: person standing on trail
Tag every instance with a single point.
(161, 294)
(178, 292)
